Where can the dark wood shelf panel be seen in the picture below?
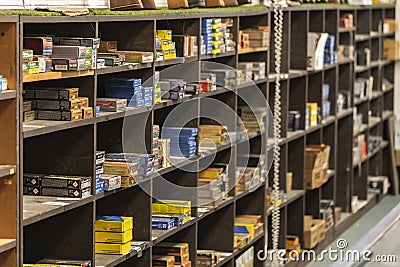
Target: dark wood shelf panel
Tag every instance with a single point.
(123, 68)
(55, 75)
(375, 95)
(291, 197)
(7, 170)
(8, 94)
(345, 61)
(250, 50)
(40, 208)
(386, 114)
(226, 54)
(168, 103)
(363, 129)
(359, 69)
(345, 113)
(205, 211)
(349, 29)
(328, 120)
(174, 61)
(104, 260)
(291, 136)
(243, 194)
(373, 122)
(160, 235)
(359, 101)
(362, 37)
(41, 127)
(7, 244)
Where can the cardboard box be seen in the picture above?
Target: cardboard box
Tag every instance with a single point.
(73, 182)
(111, 237)
(29, 116)
(320, 224)
(57, 192)
(56, 104)
(289, 182)
(172, 249)
(55, 115)
(51, 93)
(67, 263)
(397, 157)
(111, 182)
(113, 249)
(87, 113)
(310, 233)
(164, 34)
(313, 178)
(291, 242)
(248, 219)
(391, 49)
(103, 225)
(111, 104)
(390, 26)
(317, 161)
(138, 56)
(163, 261)
(108, 46)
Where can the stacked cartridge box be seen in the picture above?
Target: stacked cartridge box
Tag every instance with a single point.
(253, 119)
(100, 159)
(171, 254)
(167, 214)
(130, 89)
(57, 185)
(58, 104)
(183, 141)
(113, 235)
(213, 184)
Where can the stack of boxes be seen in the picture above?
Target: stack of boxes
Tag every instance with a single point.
(130, 89)
(42, 54)
(131, 167)
(317, 164)
(216, 36)
(314, 232)
(247, 177)
(168, 214)
(254, 37)
(185, 45)
(171, 254)
(391, 49)
(294, 120)
(253, 119)
(36, 55)
(224, 77)
(58, 104)
(57, 185)
(100, 159)
(183, 141)
(208, 82)
(164, 46)
(157, 152)
(326, 104)
(207, 258)
(113, 235)
(28, 113)
(172, 89)
(363, 87)
(390, 26)
(110, 56)
(311, 115)
(215, 134)
(330, 55)
(247, 227)
(253, 70)
(213, 184)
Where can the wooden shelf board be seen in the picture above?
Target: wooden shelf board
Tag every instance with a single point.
(364, 128)
(291, 136)
(7, 170)
(358, 101)
(252, 50)
(373, 121)
(8, 94)
(328, 120)
(291, 197)
(226, 54)
(55, 75)
(7, 244)
(160, 235)
(345, 61)
(125, 67)
(386, 114)
(40, 208)
(362, 37)
(224, 260)
(41, 127)
(103, 260)
(345, 113)
(243, 194)
(209, 210)
(174, 61)
(349, 29)
(359, 69)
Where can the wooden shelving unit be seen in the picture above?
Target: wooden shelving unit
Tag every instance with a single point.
(30, 228)
(9, 149)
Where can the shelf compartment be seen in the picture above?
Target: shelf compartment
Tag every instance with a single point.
(103, 260)
(343, 29)
(7, 244)
(291, 197)
(9, 94)
(160, 235)
(174, 61)
(40, 208)
(55, 75)
(41, 127)
(7, 170)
